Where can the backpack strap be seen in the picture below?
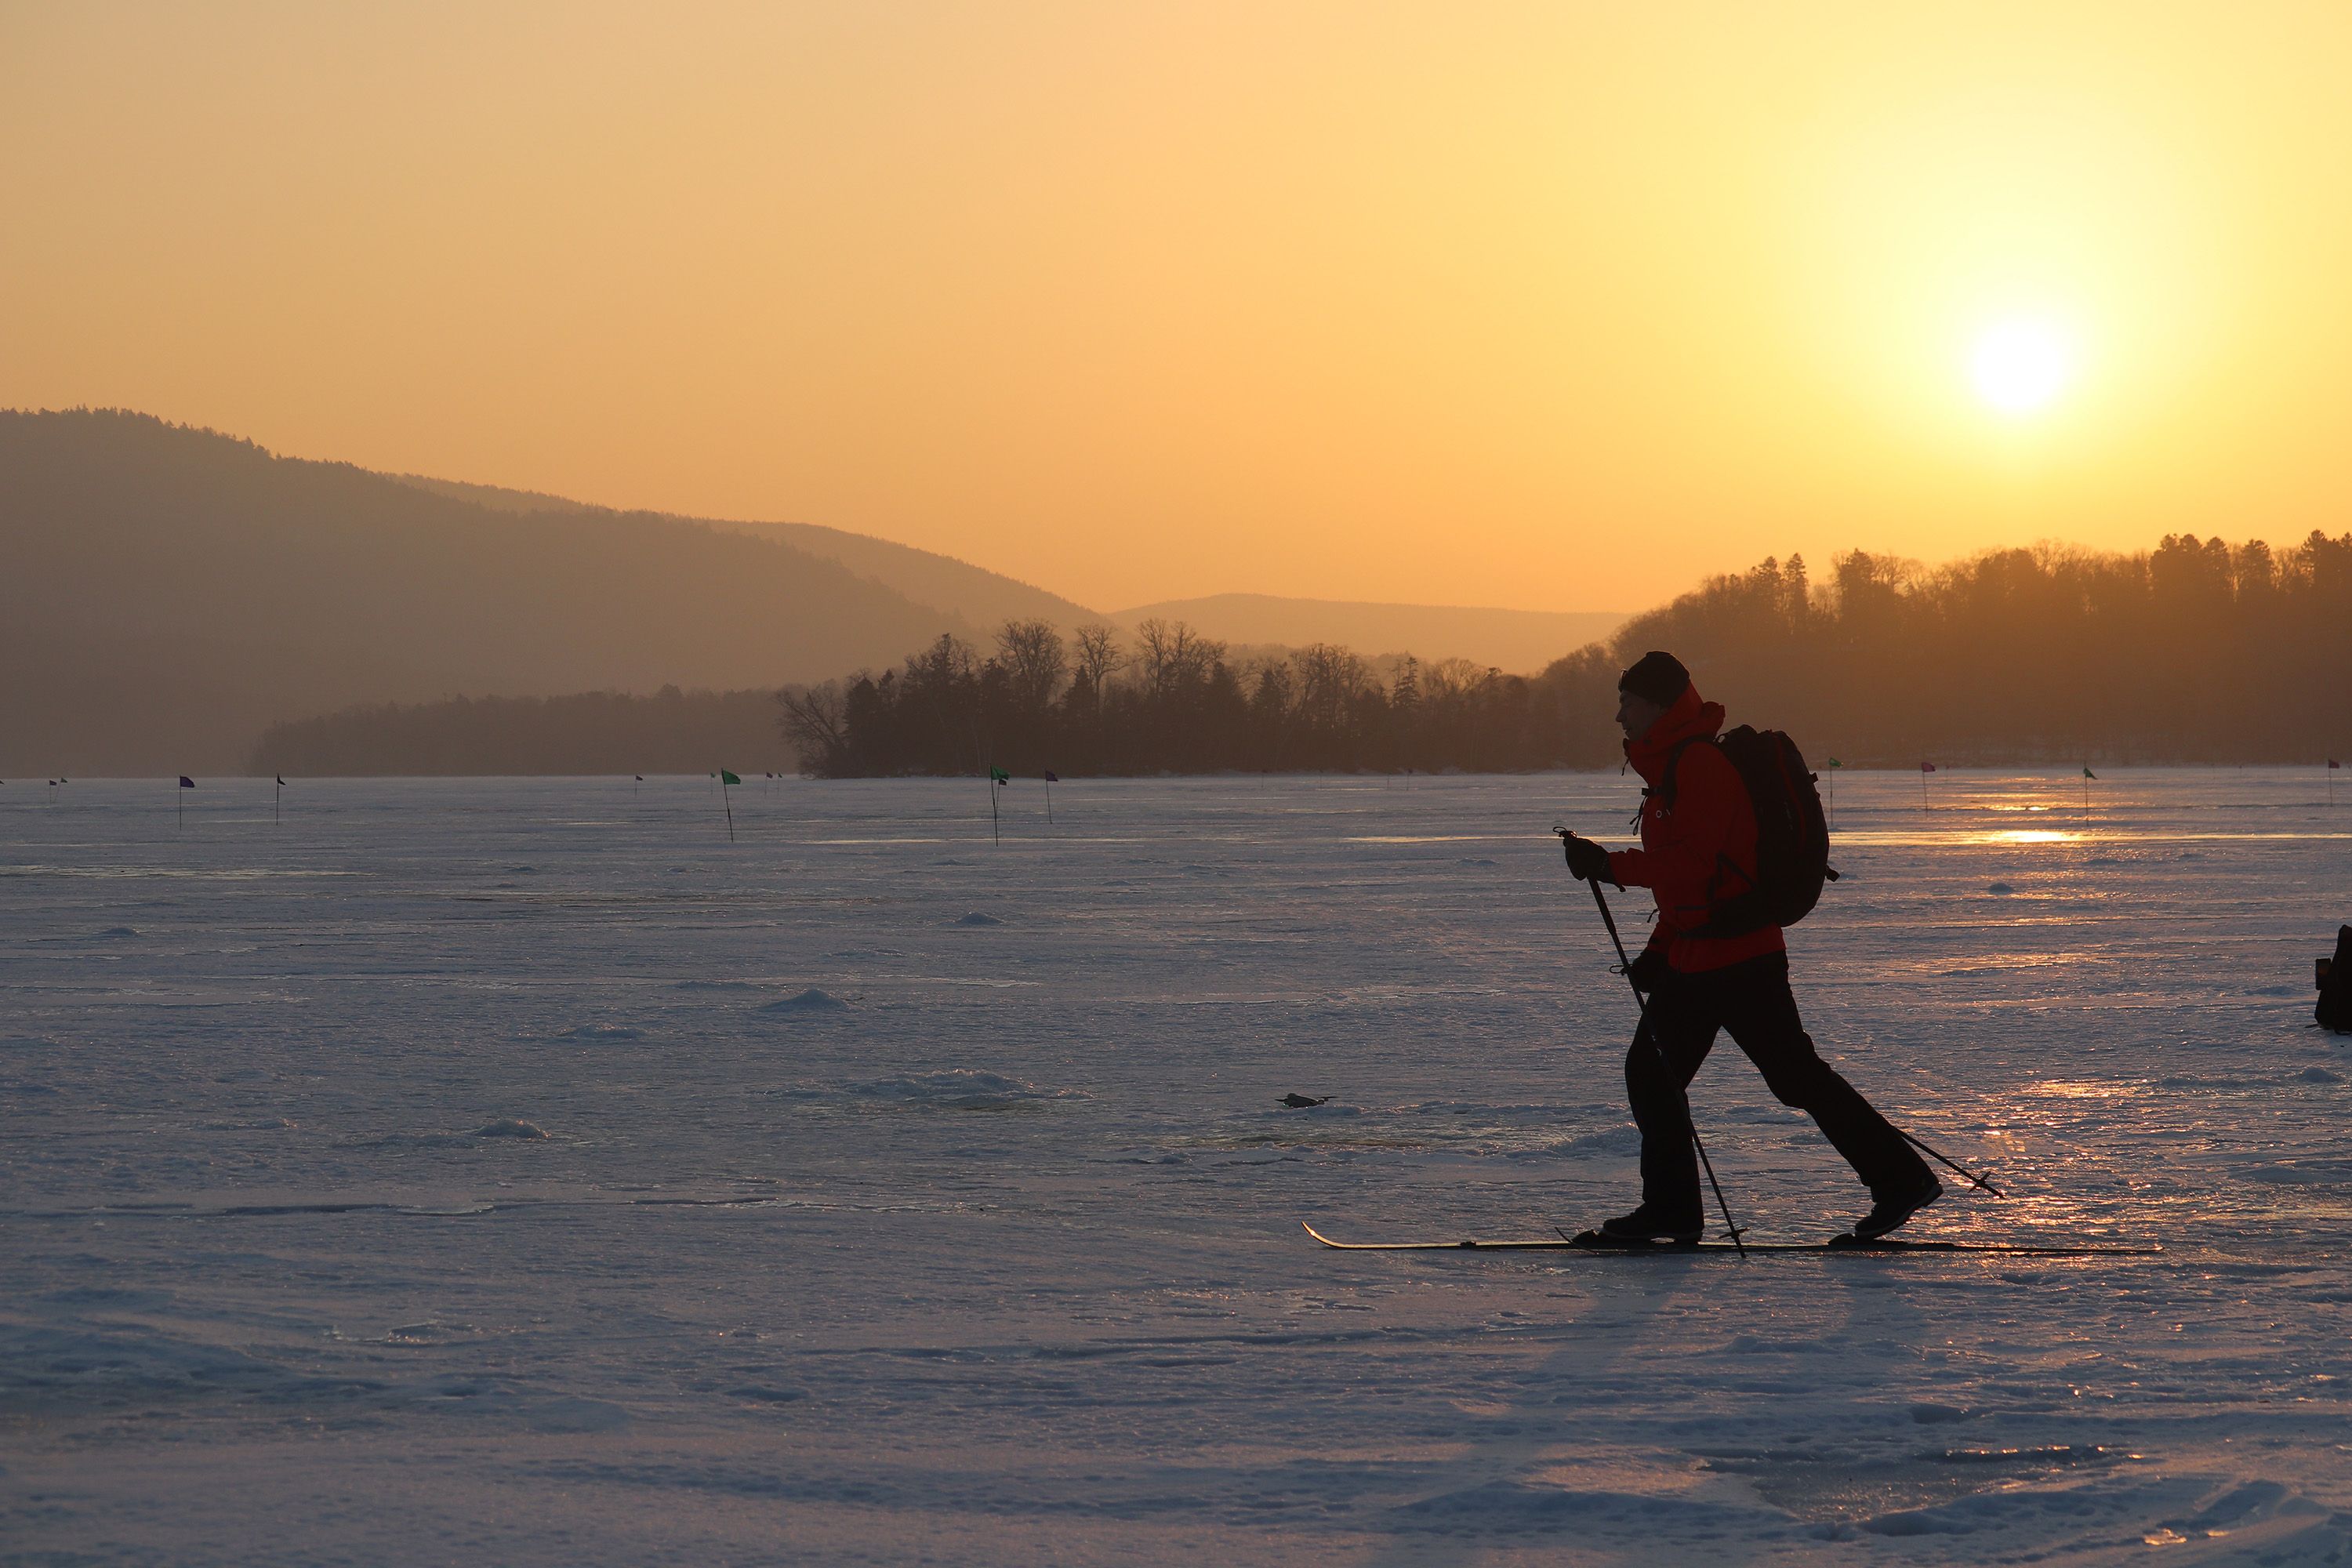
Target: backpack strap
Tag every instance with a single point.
(1667, 789)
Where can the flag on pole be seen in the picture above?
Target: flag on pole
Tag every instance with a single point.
(1833, 762)
(2087, 773)
(282, 781)
(2334, 763)
(1925, 766)
(998, 775)
(727, 778)
(187, 783)
(1052, 777)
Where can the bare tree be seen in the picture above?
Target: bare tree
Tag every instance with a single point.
(1174, 656)
(1098, 654)
(815, 721)
(1033, 658)
(1331, 677)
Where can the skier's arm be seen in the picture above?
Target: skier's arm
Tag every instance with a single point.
(1681, 859)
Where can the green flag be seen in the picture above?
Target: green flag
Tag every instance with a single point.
(2087, 773)
(998, 775)
(727, 778)
(1835, 763)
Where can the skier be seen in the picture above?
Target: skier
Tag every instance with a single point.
(1698, 848)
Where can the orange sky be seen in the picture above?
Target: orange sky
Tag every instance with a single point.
(1552, 306)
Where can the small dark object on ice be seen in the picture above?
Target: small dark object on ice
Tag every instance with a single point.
(2334, 976)
(1301, 1101)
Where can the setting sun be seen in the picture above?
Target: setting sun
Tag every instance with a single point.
(2021, 365)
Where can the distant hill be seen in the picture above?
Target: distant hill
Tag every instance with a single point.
(1518, 642)
(972, 593)
(167, 593)
(1252, 625)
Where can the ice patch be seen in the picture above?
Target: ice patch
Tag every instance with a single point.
(508, 1128)
(2302, 1173)
(959, 1090)
(760, 1393)
(49, 1369)
(977, 919)
(577, 1414)
(1513, 1506)
(1936, 1415)
(809, 1001)
(1999, 887)
(600, 1032)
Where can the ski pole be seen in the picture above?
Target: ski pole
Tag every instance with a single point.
(1975, 1180)
(1642, 1031)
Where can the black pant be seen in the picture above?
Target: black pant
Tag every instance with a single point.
(1751, 999)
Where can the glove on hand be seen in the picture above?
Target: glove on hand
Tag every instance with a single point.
(1587, 861)
(1649, 970)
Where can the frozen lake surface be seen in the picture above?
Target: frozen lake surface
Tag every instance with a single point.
(515, 1171)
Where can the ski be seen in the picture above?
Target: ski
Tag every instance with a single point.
(1884, 1246)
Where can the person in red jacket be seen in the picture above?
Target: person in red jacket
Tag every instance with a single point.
(1699, 975)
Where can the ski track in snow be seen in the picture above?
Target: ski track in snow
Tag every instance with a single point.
(515, 1171)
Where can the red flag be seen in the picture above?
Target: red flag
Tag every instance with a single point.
(2334, 763)
(1926, 767)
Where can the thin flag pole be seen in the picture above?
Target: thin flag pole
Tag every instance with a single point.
(996, 828)
(727, 806)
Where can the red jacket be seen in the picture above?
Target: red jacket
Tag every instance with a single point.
(1701, 851)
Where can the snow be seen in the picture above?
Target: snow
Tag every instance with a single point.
(516, 1172)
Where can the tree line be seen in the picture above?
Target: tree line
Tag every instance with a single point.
(1172, 701)
(2197, 651)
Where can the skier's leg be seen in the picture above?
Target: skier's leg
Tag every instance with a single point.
(1674, 1039)
(1760, 1012)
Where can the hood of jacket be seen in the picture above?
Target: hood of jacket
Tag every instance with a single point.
(1689, 719)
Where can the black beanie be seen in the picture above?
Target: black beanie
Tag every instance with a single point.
(1658, 676)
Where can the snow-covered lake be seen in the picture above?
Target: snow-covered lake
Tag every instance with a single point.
(516, 1172)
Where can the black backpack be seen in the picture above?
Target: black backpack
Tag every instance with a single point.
(2335, 1009)
(1792, 836)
